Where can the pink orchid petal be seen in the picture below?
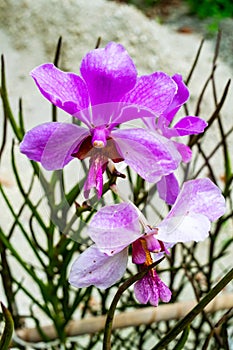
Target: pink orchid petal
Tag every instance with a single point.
(200, 196)
(131, 112)
(35, 140)
(184, 228)
(168, 188)
(142, 291)
(138, 253)
(186, 126)
(100, 114)
(65, 90)
(151, 123)
(95, 176)
(154, 91)
(60, 145)
(185, 151)
(159, 255)
(112, 114)
(95, 268)
(179, 99)
(164, 292)
(109, 73)
(189, 126)
(199, 202)
(114, 227)
(148, 153)
(152, 242)
(150, 289)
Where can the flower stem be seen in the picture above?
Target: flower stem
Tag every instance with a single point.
(182, 324)
(111, 312)
(8, 330)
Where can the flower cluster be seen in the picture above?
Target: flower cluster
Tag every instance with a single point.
(107, 93)
(115, 227)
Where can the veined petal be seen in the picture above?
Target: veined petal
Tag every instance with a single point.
(146, 152)
(132, 111)
(114, 227)
(179, 99)
(185, 228)
(199, 196)
(185, 151)
(151, 123)
(152, 243)
(55, 143)
(164, 292)
(112, 113)
(167, 246)
(168, 188)
(138, 252)
(188, 126)
(95, 268)
(142, 291)
(109, 73)
(95, 175)
(154, 91)
(199, 202)
(151, 288)
(52, 143)
(65, 90)
(35, 140)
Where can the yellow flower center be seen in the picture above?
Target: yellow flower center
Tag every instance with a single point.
(98, 144)
(149, 260)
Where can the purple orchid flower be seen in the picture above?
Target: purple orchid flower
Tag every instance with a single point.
(115, 227)
(107, 93)
(168, 186)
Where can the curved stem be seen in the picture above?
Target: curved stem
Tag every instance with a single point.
(8, 329)
(182, 324)
(111, 312)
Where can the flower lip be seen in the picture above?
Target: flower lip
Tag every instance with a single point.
(87, 149)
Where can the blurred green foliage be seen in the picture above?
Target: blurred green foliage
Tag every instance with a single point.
(203, 8)
(142, 3)
(212, 8)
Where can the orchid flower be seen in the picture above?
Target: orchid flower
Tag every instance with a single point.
(114, 228)
(106, 94)
(168, 186)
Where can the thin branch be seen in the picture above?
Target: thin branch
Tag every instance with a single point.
(182, 324)
(142, 316)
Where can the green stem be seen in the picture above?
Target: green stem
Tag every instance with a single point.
(182, 324)
(111, 312)
(8, 329)
(6, 105)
